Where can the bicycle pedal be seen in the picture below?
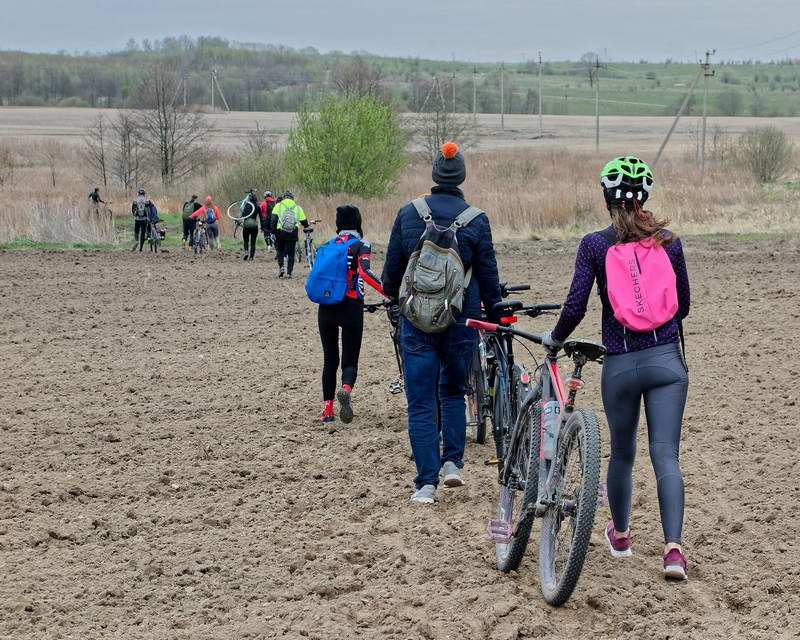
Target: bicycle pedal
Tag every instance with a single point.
(500, 531)
(491, 462)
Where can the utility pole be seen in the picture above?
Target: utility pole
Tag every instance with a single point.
(475, 94)
(185, 77)
(678, 117)
(502, 96)
(596, 77)
(454, 91)
(215, 84)
(707, 73)
(540, 95)
(213, 73)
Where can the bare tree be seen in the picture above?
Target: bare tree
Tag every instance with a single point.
(259, 142)
(8, 162)
(357, 77)
(94, 151)
(127, 152)
(177, 138)
(436, 124)
(51, 154)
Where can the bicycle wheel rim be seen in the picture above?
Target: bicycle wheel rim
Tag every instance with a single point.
(568, 524)
(240, 218)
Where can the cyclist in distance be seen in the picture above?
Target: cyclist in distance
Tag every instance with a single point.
(441, 360)
(94, 196)
(141, 209)
(250, 225)
(287, 216)
(267, 205)
(209, 213)
(640, 363)
(347, 316)
(189, 223)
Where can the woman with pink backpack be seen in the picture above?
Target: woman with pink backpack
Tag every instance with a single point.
(644, 287)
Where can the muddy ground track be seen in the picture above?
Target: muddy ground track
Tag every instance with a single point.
(162, 475)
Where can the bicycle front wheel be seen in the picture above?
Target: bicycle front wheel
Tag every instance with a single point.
(568, 521)
(515, 509)
(476, 397)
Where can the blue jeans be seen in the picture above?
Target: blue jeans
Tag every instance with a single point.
(436, 361)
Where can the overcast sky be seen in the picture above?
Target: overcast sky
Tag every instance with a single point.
(482, 30)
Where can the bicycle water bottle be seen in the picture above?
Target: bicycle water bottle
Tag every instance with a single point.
(552, 421)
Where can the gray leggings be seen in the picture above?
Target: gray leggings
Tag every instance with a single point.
(658, 375)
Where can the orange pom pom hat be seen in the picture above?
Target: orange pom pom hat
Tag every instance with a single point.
(449, 169)
(449, 150)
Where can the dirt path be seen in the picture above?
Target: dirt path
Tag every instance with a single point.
(161, 474)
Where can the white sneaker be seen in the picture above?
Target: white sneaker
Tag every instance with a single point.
(426, 494)
(452, 475)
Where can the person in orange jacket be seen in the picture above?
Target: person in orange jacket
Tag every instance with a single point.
(210, 215)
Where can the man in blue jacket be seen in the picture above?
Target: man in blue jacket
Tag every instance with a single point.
(441, 361)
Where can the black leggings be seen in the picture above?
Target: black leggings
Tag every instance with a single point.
(284, 247)
(250, 235)
(349, 316)
(140, 228)
(658, 375)
(188, 231)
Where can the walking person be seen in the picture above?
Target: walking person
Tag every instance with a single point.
(140, 209)
(436, 296)
(267, 205)
(341, 308)
(287, 217)
(644, 287)
(209, 213)
(251, 208)
(190, 207)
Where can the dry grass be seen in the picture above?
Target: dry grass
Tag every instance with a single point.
(544, 193)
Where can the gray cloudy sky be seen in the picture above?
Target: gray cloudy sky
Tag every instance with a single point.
(471, 29)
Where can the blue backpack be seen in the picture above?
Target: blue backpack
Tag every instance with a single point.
(327, 282)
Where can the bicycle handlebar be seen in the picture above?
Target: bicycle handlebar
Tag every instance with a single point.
(506, 289)
(375, 306)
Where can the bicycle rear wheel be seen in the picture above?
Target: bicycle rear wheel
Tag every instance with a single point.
(568, 522)
(477, 393)
(517, 499)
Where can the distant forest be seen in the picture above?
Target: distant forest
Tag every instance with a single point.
(256, 77)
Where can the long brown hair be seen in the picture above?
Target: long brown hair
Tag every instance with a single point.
(636, 224)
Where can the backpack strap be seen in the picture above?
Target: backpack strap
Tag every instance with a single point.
(423, 210)
(465, 217)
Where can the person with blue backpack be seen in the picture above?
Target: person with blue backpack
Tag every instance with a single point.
(440, 265)
(644, 288)
(336, 284)
(209, 214)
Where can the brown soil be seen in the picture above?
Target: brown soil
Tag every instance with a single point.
(162, 476)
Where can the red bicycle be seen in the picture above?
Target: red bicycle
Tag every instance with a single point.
(549, 467)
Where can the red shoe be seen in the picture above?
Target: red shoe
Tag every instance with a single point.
(675, 565)
(619, 547)
(345, 408)
(327, 416)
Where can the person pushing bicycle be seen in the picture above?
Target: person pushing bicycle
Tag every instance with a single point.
(267, 205)
(437, 290)
(287, 216)
(644, 288)
(250, 210)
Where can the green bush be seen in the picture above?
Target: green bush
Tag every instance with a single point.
(263, 173)
(354, 145)
(765, 152)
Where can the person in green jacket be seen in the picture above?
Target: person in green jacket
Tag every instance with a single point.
(287, 216)
(250, 208)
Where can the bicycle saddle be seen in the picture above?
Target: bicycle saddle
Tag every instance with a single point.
(592, 351)
(507, 307)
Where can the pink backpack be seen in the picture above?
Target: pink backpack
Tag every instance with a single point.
(641, 285)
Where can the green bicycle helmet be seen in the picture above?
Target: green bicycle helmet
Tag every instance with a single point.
(626, 180)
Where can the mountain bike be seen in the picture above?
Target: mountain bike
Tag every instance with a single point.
(398, 386)
(250, 211)
(200, 240)
(480, 381)
(549, 467)
(307, 250)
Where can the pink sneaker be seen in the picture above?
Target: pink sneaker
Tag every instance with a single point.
(675, 566)
(619, 547)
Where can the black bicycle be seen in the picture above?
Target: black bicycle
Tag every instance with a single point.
(307, 250)
(549, 466)
(481, 377)
(397, 386)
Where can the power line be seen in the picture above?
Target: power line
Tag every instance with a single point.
(760, 44)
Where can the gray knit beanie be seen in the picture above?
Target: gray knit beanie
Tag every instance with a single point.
(449, 169)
